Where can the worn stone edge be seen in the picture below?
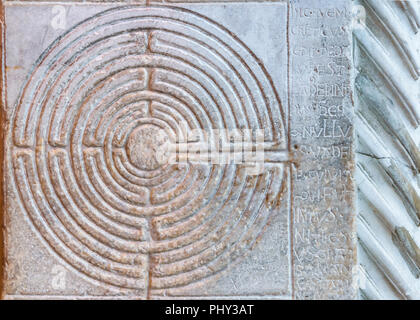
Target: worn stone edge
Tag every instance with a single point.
(2, 148)
(130, 2)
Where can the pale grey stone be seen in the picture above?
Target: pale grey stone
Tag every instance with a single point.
(387, 92)
(90, 209)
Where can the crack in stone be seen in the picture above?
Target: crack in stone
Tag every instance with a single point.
(385, 158)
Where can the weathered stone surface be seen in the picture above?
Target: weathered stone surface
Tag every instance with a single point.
(100, 96)
(321, 131)
(387, 87)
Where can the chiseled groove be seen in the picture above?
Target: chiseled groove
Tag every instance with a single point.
(166, 117)
(375, 199)
(187, 96)
(208, 227)
(138, 197)
(405, 189)
(94, 241)
(186, 258)
(400, 38)
(58, 238)
(234, 248)
(100, 213)
(57, 61)
(211, 86)
(381, 208)
(96, 136)
(23, 141)
(125, 127)
(104, 82)
(35, 73)
(102, 192)
(384, 261)
(175, 186)
(187, 183)
(409, 248)
(369, 291)
(120, 227)
(207, 242)
(384, 110)
(181, 224)
(108, 112)
(125, 175)
(173, 117)
(179, 99)
(118, 68)
(111, 114)
(116, 239)
(79, 80)
(412, 13)
(127, 171)
(268, 96)
(186, 210)
(168, 44)
(374, 50)
(201, 234)
(110, 161)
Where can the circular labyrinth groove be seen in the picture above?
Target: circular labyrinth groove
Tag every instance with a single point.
(87, 130)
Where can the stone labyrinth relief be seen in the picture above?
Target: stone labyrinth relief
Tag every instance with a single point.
(118, 128)
(85, 133)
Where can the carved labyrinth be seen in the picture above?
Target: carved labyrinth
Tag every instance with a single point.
(85, 135)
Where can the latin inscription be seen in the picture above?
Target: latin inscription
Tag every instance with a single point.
(321, 134)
